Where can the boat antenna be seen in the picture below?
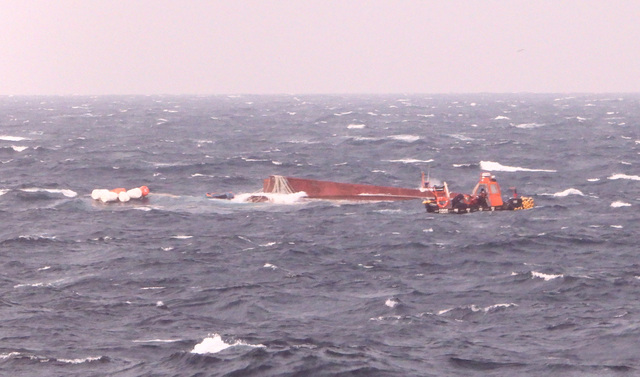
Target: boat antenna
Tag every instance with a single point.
(426, 183)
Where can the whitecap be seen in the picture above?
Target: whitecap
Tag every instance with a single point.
(356, 126)
(619, 203)
(345, 113)
(495, 166)
(461, 137)
(254, 159)
(410, 161)
(12, 138)
(215, 344)
(181, 237)
(269, 265)
(79, 361)
(391, 302)
(18, 148)
(364, 138)
(441, 312)
(501, 117)
(3, 191)
(617, 226)
(567, 192)
(546, 277)
(529, 125)
(498, 306)
(593, 179)
(406, 138)
(66, 192)
(625, 176)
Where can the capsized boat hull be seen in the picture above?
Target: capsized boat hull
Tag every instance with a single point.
(316, 189)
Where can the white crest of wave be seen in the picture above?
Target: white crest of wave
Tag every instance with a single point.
(527, 126)
(44, 359)
(12, 138)
(501, 117)
(546, 277)
(461, 137)
(18, 148)
(411, 161)
(3, 191)
(406, 138)
(156, 340)
(356, 126)
(499, 306)
(475, 308)
(619, 203)
(625, 176)
(66, 192)
(391, 302)
(79, 361)
(215, 344)
(495, 166)
(567, 192)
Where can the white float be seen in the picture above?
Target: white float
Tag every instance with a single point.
(119, 194)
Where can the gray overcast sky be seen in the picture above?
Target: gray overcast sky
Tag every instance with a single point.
(318, 46)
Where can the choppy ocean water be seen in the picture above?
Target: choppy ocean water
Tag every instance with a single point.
(182, 285)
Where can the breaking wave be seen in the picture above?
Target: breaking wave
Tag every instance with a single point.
(495, 166)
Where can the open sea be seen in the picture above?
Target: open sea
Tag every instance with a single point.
(181, 285)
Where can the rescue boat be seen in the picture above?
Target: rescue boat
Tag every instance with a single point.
(486, 196)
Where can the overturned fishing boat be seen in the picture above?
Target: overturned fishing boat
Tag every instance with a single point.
(486, 196)
(328, 190)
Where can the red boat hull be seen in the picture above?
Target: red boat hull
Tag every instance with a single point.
(344, 191)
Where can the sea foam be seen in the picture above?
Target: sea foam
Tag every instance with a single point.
(66, 192)
(619, 203)
(12, 138)
(567, 192)
(215, 344)
(625, 176)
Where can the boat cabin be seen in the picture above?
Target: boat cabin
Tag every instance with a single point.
(489, 187)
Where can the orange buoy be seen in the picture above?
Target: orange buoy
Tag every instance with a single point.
(145, 190)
